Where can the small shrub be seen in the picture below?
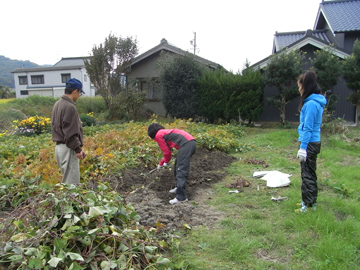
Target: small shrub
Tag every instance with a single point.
(335, 126)
(87, 120)
(8, 116)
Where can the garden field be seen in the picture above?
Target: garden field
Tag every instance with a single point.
(120, 218)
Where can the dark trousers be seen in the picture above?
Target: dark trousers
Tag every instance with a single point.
(309, 188)
(181, 168)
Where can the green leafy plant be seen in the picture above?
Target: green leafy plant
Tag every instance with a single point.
(87, 120)
(72, 227)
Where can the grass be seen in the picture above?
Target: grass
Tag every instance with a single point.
(3, 101)
(257, 233)
(22, 108)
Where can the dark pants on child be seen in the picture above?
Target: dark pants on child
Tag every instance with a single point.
(181, 168)
(309, 188)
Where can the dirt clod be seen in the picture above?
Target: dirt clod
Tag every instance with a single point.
(239, 183)
(257, 162)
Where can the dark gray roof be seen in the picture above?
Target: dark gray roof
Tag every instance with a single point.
(41, 69)
(166, 46)
(70, 61)
(297, 40)
(284, 40)
(341, 16)
(66, 63)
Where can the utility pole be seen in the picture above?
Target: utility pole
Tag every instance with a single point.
(193, 42)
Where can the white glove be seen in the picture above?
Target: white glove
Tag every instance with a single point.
(301, 155)
(159, 167)
(165, 164)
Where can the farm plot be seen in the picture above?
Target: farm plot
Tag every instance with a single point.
(149, 193)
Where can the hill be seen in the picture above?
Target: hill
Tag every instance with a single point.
(7, 65)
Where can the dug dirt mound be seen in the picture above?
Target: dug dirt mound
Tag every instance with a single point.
(149, 192)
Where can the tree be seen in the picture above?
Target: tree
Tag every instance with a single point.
(179, 75)
(328, 69)
(351, 72)
(226, 96)
(5, 92)
(282, 72)
(251, 96)
(214, 95)
(132, 101)
(107, 70)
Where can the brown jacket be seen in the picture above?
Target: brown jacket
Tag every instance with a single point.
(66, 125)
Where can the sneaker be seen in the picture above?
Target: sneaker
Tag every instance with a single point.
(300, 204)
(173, 190)
(313, 207)
(303, 209)
(174, 201)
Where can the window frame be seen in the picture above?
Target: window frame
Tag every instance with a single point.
(37, 79)
(23, 80)
(65, 77)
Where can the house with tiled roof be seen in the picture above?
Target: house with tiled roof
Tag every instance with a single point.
(50, 81)
(143, 70)
(337, 24)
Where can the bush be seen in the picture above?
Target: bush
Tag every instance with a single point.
(336, 126)
(86, 105)
(8, 116)
(179, 76)
(34, 105)
(87, 120)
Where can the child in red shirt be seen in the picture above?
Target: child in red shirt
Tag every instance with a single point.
(186, 146)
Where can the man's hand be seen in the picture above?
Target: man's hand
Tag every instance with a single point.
(301, 155)
(165, 164)
(80, 155)
(159, 167)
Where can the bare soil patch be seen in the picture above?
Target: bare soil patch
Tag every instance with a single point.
(149, 193)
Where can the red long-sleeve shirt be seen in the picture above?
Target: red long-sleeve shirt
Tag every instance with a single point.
(169, 138)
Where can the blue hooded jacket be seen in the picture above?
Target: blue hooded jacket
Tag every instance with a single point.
(310, 119)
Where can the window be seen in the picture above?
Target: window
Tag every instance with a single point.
(23, 80)
(24, 92)
(65, 77)
(37, 79)
(85, 78)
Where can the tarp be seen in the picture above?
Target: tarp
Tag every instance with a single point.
(274, 178)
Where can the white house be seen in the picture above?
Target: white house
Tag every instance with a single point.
(50, 81)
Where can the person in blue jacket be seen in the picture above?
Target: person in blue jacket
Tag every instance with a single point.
(312, 105)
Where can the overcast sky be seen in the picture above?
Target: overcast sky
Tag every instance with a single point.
(227, 32)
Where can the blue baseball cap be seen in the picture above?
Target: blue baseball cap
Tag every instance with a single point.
(75, 83)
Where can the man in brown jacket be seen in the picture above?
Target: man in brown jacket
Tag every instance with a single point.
(67, 132)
